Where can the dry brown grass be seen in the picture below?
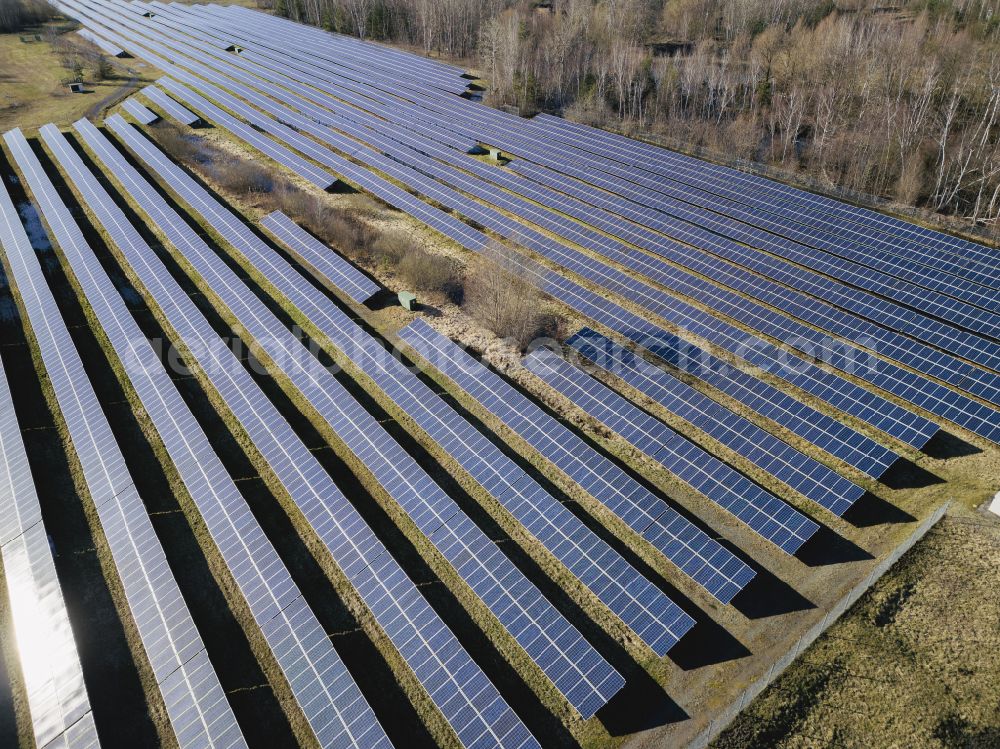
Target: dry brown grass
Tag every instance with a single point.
(914, 663)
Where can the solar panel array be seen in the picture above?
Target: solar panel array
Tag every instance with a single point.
(42, 637)
(879, 323)
(330, 266)
(197, 709)
(330, 700)
(465, 695)
(833, 389)
(869, 248)
(574, 666)
(802, 473)
(462, 235)
(171, 107)
(657, 620)
(699, 556)
(143, 114)
(767, 515)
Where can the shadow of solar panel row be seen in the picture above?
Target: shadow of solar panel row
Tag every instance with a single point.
(438, 660)
(142, 114)
(693, 227)
(42, 641)
(324, 260)
(808, 208)
(923, 259)
(696, 554)
(655, 626)
(576, 669)
(764, 513)
(199, 712)
(803, 474)
(171, 107)
(332, 704)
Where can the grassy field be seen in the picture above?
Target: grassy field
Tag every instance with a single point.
(914, 663)
(34, 86)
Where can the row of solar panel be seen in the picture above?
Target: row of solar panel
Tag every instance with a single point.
(924, 259)
(171, 641)
(810, 209)
(303, 652)
(444, 668)
(42, 637)
(491, 575)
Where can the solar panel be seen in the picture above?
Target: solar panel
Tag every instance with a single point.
(330, 266)
(141, 113)
(736, 241)
(171, 107)
(763, 512)
(329, 698)
(833, 217)
(471, 703)
(162, 620)
(925, 262)
(576, 668)
(102, 44)
(43, 639)
(803, 474)
(700, 557)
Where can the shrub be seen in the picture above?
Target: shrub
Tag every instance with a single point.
(499, 297)
(390, 248)
(431, 273)
(243, 176)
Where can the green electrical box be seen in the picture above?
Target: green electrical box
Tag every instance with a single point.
(408, 300)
